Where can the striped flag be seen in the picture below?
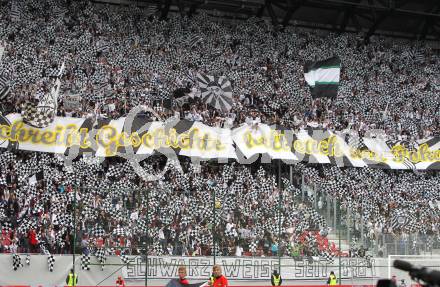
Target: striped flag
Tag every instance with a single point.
(419, 57)
(15, 12)
(414, 55)
(323, 77)
(2, 50)
(151, 10)
(410, 165)
(4, 92)
(59, 11)
(194, 40)
(102, 86)
(189, 76)
(3, 81)
(103, 47)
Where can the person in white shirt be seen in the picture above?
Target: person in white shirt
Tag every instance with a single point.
(134, 216)
(229, 226)
(228, 123)
(161, 236)
(255, 123)
(238, 251)
(197, 117)
(188, 116)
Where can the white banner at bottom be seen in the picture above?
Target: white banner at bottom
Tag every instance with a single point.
(249, 268)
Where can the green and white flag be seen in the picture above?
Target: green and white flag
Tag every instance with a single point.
(323, 77)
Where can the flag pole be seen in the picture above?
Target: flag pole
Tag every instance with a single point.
(74, 234)
(213, 226)
(146, 244)
(385, 112)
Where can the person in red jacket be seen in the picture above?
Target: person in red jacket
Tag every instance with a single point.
(217, 279)
(33, 240)
(120, 282)
(182, 275)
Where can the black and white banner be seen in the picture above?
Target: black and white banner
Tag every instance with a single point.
(246, 268)
(139, 136)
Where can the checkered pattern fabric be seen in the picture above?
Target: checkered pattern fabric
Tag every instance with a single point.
(101, 256)
(119, 231)
(328, 257)
(141, 226)
(158, 250)
(253, 247)
(6, 157)
(16, 262)
(6, 227)
(97, 231)
(36, 116)
(85, 262)
(124, 258)
(51, 262)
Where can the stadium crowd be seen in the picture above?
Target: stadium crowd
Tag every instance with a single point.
(175, 215)
(113, 210)
(120, 57)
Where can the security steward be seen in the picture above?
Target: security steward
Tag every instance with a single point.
(72, 278)
(276, 279)
(332, 280)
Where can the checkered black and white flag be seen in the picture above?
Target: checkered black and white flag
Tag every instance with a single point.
(100, 255)
(253, 247)
(124, 258)
(97, 231)
(85, 262)
(400, 219)
(51, 262)
(16, 262)
(328, 257)
(119, 231)
(43, 114)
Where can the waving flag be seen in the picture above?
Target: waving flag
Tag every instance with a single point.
(216, 91)
(42, 114)
(323, 77)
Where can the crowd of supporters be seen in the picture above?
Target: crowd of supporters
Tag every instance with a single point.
(119, 57)
(191, 205)
(173, 215)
